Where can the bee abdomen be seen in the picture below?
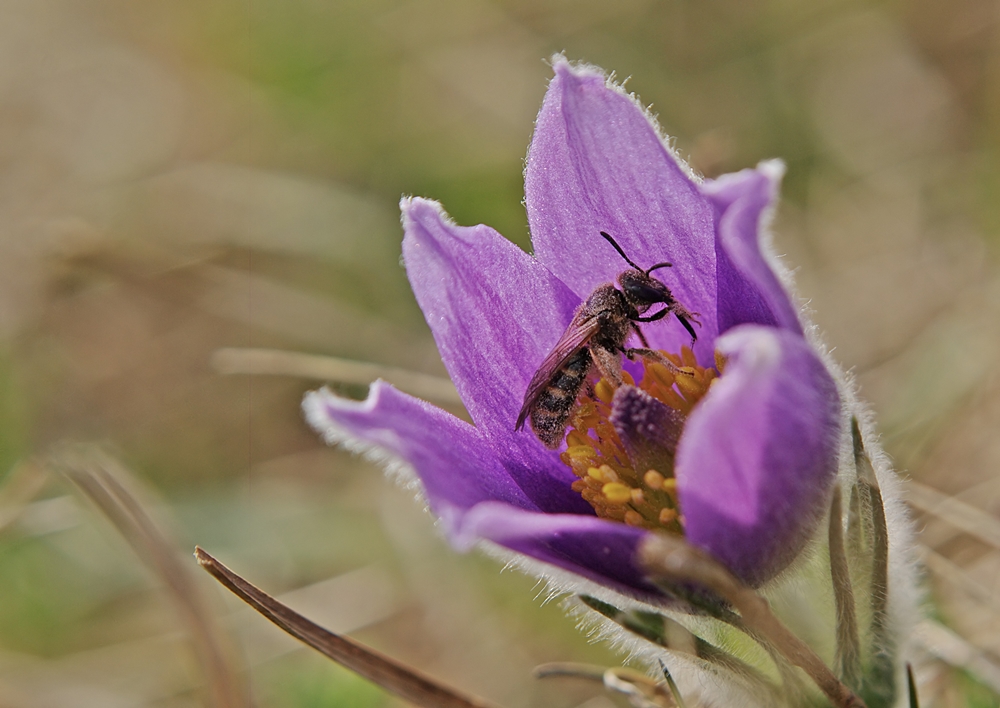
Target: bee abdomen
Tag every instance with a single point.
(553, 407)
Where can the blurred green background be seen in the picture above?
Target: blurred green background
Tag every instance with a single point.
(177, 177)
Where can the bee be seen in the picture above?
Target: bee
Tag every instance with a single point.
(596, 336)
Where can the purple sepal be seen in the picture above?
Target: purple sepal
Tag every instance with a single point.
(462, 473)
(596, 164)
(482, 297)
(758, 455)
(596, 549)
(749, 291)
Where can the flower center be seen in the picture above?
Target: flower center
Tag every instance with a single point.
(636, 489)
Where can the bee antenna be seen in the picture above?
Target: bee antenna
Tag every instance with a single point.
(618, 248)
(659, 265)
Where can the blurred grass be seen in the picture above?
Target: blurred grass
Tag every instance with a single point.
(183, 176)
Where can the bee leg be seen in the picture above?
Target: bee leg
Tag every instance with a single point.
(658, 358)
(608, 364)
(658, 315)
(642, 337)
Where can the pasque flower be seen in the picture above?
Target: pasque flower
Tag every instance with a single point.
(738, 451)
(730, 450)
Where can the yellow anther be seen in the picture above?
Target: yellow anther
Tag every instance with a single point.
(616, 492)
(661, 374)
(578, 439)
(604, 391)
(604, 473)
(720, 362)
(688, 385)
(596, 454)
(673, 399)
(633, 518)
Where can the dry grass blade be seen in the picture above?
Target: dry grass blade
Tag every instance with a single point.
(21, 485)
(953, 574)
(568, 669)
(236, 360)
(965, 517)
(639, 689)
(952, 649)
(377, 668)
(673, 561)
(99, 478)
(911, 686)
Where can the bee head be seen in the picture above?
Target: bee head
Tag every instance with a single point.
(642, 290)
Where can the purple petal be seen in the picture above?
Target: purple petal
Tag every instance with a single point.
(599, 550)
(749, 291)
(458, 469)
(596, 164)
(759, 453)
(495, 313)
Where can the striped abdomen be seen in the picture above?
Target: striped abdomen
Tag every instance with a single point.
(553, 406)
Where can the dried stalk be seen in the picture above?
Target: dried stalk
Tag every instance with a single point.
(639, 689)
(391, 675)
(98, 477)
(22, 484)
(327, 368)
(964, 517)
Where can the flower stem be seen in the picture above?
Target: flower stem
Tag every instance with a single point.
(672, 560)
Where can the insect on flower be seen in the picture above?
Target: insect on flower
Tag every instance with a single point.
(596, 336)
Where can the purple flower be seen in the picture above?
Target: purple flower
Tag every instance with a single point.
(741, 462)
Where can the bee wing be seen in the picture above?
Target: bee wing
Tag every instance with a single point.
(572, 340)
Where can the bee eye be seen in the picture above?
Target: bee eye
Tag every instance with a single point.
(643, 292)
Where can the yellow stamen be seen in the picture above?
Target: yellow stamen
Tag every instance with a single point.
(607, 480)
(616, 492)
(634, 518)
(604, 391)
(580, 451)
(689, 385)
